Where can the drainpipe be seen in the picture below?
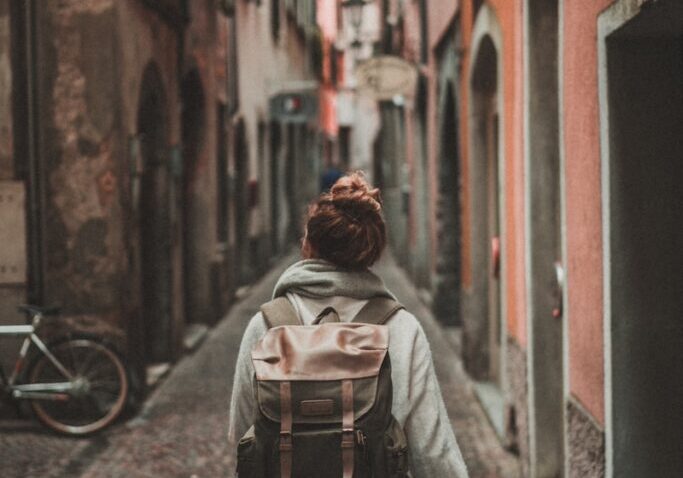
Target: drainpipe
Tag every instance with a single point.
(35, 185)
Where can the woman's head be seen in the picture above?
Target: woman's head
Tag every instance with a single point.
(345, 226)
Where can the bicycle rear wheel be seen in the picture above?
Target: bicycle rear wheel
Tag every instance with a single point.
(100, 386)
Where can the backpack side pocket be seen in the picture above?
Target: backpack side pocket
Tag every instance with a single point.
(396, 451)
(246, 456)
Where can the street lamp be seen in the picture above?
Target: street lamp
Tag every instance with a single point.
(355, 9)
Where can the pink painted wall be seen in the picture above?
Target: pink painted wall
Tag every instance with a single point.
(509, 14)
(327, 18)
(440, 15)
(328, 22)
(583, 204)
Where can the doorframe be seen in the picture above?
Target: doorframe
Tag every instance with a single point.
(528, 246)
(610, 20)
(487, 24)
(566, 306)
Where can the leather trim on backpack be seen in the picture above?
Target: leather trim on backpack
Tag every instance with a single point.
(365, 396)
(279, 312)
(377, 311)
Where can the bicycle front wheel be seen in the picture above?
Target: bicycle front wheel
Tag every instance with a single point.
(99, 386)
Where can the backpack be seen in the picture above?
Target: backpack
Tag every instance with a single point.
(324, 397)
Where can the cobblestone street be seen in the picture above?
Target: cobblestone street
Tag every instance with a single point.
(181, 429)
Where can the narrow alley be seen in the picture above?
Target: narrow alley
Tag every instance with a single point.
(157, 160)
(181, 430)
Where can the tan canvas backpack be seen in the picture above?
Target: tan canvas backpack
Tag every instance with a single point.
(324, 398)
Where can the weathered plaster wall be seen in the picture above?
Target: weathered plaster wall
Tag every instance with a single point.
(583, 204)
(91, 57)
(86, 257)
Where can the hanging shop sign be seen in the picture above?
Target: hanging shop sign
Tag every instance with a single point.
(386, 77)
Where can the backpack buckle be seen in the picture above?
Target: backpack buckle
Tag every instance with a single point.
(348, 438)
(285, 441)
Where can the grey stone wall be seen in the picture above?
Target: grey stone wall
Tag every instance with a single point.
(6, 150)
(586, 444)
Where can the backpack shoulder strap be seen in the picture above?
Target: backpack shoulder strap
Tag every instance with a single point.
(377, 311)
(279, 312)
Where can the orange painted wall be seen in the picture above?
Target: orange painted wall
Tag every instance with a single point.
(509, 14)
(583, 204)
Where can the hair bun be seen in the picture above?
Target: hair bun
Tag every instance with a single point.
(355, 196)
(345, 226)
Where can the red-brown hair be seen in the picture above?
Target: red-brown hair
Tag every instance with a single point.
(345, 226)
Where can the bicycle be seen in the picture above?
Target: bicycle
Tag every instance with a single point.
(76, 385)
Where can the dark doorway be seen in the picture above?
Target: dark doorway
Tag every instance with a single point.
(344, 148)
(448, 265)
(241, 203)
(421, 256)
(276, 181)
(645, 107)
(194, 215)
(545, 241)
(154, 218)
(482, 340)
(223, 224)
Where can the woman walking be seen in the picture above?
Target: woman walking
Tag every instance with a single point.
(345, 234)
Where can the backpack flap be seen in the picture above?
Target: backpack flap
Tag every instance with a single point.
(315, 360)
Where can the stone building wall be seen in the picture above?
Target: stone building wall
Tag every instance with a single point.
(80, 147)
(6, 140)
(12, 212)
(272, 61)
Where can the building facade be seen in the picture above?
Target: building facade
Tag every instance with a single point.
(537, 161)
(137, 183)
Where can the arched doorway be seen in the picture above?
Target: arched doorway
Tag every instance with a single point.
(483, 336)
(448, 265)
(154, 218)
(195, 219)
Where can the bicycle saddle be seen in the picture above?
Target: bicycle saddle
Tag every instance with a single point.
(35, 310)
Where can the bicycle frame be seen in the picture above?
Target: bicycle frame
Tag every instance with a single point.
(34, 391)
